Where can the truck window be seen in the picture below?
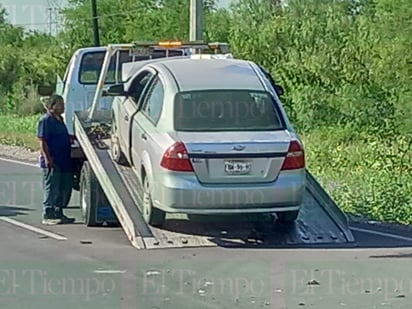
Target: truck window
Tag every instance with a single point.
(91, 64)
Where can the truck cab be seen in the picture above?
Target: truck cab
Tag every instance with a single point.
(79, 83)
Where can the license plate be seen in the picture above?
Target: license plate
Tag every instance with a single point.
(238, 167)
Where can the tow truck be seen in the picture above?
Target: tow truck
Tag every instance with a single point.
(110, 193)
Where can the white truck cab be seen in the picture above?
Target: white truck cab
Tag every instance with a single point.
(79, 83)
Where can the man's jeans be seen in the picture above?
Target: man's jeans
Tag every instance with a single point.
(57, 185)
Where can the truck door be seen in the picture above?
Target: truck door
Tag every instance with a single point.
(129, 108)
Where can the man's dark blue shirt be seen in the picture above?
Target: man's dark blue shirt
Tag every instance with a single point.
(54, 132)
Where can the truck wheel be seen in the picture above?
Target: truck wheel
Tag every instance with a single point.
(152, 215)
(116, 152)
(88, 195)
(77, 167)
(288, 217)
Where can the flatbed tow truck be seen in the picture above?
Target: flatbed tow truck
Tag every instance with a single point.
(111, 194)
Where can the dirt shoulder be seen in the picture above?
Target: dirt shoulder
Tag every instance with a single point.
(19, 153)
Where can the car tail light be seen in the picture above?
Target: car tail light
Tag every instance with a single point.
(295, 159)
(177, 159)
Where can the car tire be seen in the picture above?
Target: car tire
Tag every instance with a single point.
(288, 217)
(152, 215)
(115, 149)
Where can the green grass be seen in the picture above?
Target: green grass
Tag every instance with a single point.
(364, 174)
(19, 130)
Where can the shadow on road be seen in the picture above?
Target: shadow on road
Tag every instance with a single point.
(392, 256)
(13, 211)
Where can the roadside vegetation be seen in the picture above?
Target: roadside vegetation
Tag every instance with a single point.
(346, 67)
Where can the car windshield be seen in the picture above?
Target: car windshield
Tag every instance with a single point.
(227, 110)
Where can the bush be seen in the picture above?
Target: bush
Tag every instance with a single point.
(364, 173)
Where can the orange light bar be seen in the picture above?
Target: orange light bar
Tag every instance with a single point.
(170, 43)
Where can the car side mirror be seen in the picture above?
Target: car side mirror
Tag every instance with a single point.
(45, 91)
(114, 90)
(279, 90)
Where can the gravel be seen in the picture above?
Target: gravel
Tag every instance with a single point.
(19, 153)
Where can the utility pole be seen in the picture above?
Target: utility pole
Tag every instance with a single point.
(196, 20)
(95, 23)
(49, 9)
(53, 12)
(57, 20)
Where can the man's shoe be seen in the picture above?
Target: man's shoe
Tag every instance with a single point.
(58, 213)
(67, 220)
(50, 221)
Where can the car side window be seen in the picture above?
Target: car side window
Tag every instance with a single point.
(139, 84)
(154, 102)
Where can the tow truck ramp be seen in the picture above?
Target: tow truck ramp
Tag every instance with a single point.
(320, 222)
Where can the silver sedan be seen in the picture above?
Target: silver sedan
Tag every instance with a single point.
(208, 136)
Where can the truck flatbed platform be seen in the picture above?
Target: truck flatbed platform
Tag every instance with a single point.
(320, 221)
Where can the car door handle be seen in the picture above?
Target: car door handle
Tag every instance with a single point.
(126, 118)
(144, 137)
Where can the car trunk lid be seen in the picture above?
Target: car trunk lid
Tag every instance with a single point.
(236, 157)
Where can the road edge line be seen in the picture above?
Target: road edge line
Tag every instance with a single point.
(19, 162)
(108, 271)
(33, 228)
(389, 235)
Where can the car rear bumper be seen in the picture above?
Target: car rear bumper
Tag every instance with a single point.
(184, 193)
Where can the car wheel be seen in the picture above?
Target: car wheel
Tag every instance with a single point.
(116, 152)
(151, 215)
(288, 216)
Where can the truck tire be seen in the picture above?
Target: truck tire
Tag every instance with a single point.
(89, 199)
(288, 217)
(115, 149)
(77, 168)
(151, 214)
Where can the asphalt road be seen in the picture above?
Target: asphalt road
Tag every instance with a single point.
(75, 266)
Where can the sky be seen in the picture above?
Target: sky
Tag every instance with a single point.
(35, 15)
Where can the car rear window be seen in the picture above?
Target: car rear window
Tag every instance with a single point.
(228, 110)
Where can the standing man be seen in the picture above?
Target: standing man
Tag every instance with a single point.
(55, 160)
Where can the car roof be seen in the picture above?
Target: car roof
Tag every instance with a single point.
(204, 74)
(131, 69)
